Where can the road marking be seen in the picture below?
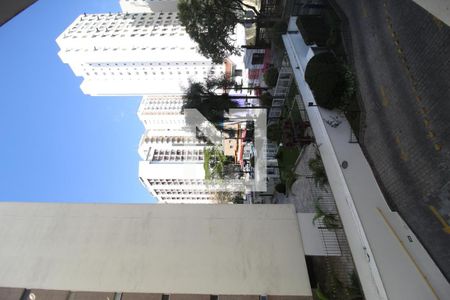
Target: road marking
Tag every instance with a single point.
(404, 155)
(441, 219)
(364, 10)
(384, 99)
(438, 22)
(414, 84)
(419, 270)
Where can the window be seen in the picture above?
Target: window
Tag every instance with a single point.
(214, 297)
(238, 72)
(258, 58)
(165, 297)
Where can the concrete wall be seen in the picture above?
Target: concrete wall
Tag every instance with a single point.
(10, 8)
(438, 8)
(21, 294)
(174, 249)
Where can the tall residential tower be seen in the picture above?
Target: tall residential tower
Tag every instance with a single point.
(133, 54)
(137, 6)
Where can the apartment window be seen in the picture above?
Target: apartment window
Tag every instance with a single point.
(214, 297)
(258, 58)
(165, 297)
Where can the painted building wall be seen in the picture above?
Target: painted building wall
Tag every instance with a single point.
(174, 249)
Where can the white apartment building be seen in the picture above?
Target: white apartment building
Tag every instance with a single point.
(134, 54)
(171, 181)
(136, 6)
(172, 157)
(149, 53)
(162, 112)
(172, 166)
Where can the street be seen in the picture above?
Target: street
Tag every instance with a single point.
(402, 61)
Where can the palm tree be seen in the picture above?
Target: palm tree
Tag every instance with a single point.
(329, 220)
(318, 170)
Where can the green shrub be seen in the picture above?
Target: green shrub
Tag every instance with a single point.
(277, 30)
(271, 77)
(319, 174)
(329, 220)
(281, 188)
(274, 132)
(238, 200)
(266, 99)
(290, 177)
(332, 82)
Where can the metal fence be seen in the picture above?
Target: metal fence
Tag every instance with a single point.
(340, 260)
(281, 90)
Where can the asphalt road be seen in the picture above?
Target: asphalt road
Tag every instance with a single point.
(402, 61)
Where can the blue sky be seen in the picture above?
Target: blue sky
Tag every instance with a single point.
(58, 145)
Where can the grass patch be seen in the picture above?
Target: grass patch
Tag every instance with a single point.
(287, 157)
(291, 109)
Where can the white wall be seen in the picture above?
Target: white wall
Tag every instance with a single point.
(193, 249)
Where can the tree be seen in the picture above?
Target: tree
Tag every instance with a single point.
(281, 188)
(274, 132)
(329, 220)
(213, 164)
(271, 77)
(319, 174)
(211, 105)
(212, 99)
(238, 199)
(276, 32)
(266, 99)
(223, 197)
(211, 24)
(332, 82)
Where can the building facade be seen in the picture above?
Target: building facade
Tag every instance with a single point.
(179, 252)
(162, 112)
(148, 52)
(172, 157)
(133, 54)
(136, 6)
